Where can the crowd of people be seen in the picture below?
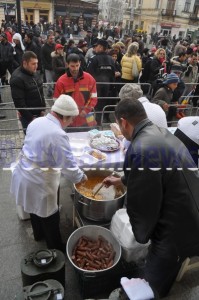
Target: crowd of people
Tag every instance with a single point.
(109, 59)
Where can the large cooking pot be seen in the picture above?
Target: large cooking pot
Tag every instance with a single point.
(98, 210)
(92, 231)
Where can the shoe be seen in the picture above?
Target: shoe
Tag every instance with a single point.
(178, 116)
(2, 117)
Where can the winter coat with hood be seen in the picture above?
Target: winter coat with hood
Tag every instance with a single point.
(58, 64)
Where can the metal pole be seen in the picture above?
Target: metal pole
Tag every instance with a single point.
(18, 15)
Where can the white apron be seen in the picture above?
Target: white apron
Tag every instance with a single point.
(35, 189)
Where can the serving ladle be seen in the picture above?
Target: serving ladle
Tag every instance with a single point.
(101, 186)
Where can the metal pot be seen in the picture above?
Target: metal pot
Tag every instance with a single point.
(92, 231)
(98, 210)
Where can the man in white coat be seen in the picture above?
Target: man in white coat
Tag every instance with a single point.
(46, 154)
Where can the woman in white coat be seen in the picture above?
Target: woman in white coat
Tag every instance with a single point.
(46, 154)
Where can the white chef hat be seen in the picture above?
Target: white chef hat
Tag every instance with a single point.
(65, 106)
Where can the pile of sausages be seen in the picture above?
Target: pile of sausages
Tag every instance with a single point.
(90, 254)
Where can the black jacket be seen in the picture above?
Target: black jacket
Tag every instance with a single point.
(79, 52)
(6, 57)
(17, 54)
(155, 67)
(46, 58)
(162, 204)
(27, 91)
(101, 67)
(35, 47)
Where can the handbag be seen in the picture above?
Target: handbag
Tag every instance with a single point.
(135, 71)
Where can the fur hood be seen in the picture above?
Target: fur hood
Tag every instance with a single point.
(55, 54)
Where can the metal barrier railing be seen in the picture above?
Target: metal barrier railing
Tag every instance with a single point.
(11, 131)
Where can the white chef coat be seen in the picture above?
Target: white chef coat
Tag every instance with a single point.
(46, 154)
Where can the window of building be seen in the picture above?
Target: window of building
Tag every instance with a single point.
(171, 4)
(157, 4)
(187, 5)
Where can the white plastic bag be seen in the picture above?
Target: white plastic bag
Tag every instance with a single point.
(122, 230)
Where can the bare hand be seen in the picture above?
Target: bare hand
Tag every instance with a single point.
(84, 178)
(165, 107)
(83, 113)
(112, 180)
(42, 113)
(117, 74)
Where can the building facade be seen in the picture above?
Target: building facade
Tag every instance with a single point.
(62, 12)
(175, 17)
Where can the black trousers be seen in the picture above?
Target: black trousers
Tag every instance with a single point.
(161, 272)
(48, 228)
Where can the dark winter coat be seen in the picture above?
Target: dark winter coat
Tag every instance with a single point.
(162, 203)
(46, 58)
(6, 57)
(27, 91)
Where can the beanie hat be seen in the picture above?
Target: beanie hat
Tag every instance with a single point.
(59, 46)
(17, 36)
(171, 78)
(65, 106)
(130, 90)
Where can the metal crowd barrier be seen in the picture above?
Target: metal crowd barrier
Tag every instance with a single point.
(11, 131)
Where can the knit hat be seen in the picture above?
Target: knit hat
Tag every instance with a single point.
(130, 90)
(65, 106)
(59, 46)
(17, 36)
(171, 78)
(190, 127)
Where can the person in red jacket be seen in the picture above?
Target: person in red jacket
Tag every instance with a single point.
(81, 86)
